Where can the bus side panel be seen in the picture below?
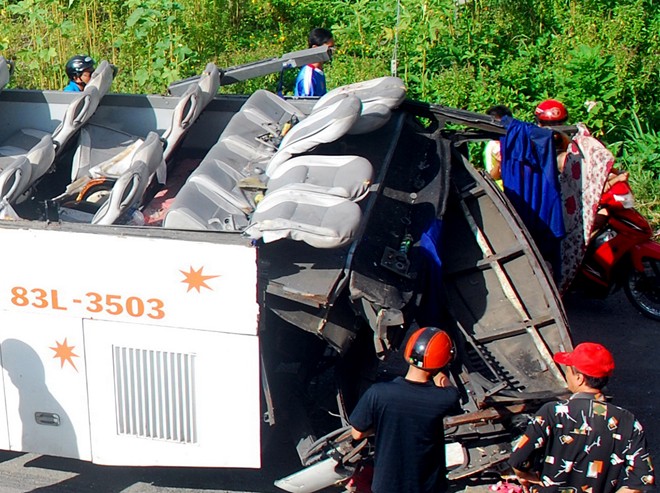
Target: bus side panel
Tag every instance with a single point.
(156, 281)
(45, 385)
(172, 397)
(167, 329)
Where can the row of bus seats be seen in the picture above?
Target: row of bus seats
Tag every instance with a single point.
(258, 178)
(27, 154)
(129, 163)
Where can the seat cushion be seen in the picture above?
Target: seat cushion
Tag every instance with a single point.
(199, 208)
(344, 176)
(318, 219)
(21, 141)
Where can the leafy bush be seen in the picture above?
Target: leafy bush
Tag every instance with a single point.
(602, 58)
(640, 155)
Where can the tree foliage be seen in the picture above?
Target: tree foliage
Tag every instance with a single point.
(600, 57)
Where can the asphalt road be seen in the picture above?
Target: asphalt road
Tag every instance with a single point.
(633, 340)
(631, 337)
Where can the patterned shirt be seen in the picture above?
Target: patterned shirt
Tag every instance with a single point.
(585, 445)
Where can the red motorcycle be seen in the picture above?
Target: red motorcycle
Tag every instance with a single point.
(623, 253)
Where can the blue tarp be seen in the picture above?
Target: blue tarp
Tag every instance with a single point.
(531, 182)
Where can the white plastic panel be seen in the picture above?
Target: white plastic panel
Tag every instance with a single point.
(152, 281)
(172, 397)
(43, 360)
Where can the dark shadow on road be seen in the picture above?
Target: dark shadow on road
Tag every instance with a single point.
(281, 460)
(6, 456)
(632, 339)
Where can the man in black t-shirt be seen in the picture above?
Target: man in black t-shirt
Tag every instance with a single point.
(584, 444)
(406, 416)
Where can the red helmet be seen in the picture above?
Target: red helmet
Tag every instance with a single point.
(429, 349)
(551, 112)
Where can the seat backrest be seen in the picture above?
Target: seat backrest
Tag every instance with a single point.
(151, 152)
(185, 113)
(14, 177)
(124, 194)
(190, 106)
(79, 111)
(5, 72)
(209, 82)
(102, 77)
(390, 91)
(17, 177)
(82, 108)
(324, 125)
(129, 189)
(262, 122)
(269, 110)
(379, 97)
(41, 157)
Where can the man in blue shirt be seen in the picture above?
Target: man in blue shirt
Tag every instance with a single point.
(79, 69)
(406, 417)
(311, 79)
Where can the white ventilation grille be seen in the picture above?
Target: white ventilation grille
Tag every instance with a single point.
(155, 394)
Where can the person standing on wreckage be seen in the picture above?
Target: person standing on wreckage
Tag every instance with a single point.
(311, 79)
(584, 444)
(406, 417)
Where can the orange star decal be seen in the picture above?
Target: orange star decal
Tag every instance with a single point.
(196, 279)
(65, 352)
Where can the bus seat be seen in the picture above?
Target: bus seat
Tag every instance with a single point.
(318, 219)
(190, 106)
(344, 176)
(324, 125)
(209, 82)
(128, 191)
(105, 151)
(22, 170)
(222, 179)
(379, 97)
(259, 126)
(197, 207)
(112, 151)
(102, 77)
(14, 177)
(79, 111)
(76, 115)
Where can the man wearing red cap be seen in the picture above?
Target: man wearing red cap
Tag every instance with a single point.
(584, 444)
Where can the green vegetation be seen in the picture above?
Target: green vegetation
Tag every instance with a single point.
(600, 57)
(641, 157)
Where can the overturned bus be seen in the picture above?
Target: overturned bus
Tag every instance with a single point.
(190, 272)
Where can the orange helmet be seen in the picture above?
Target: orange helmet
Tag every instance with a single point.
(551, 112)
(429, 349)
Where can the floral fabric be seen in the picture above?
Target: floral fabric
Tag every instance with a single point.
(587, 165)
